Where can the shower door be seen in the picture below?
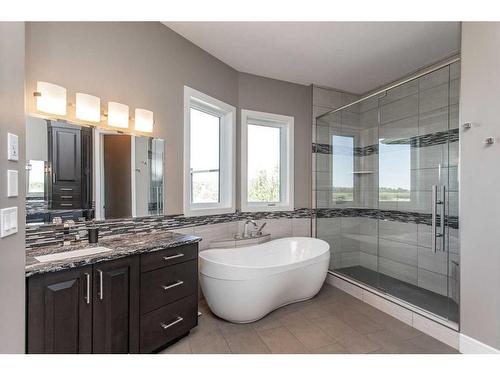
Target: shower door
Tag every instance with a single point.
(418, 192)
(387, 191)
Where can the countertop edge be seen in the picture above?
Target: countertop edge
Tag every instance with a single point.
(51, 267)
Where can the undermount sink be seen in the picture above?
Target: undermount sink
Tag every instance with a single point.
(72, 254)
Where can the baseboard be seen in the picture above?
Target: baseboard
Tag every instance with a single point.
(425, 324)
(468, 345)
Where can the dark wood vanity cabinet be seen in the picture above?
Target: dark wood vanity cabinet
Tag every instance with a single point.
(136, 304)
(115, 320)
(70, 160)
(60, 312)
(169, 295)
(92, 309)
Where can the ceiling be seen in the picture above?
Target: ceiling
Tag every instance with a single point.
(352, 56)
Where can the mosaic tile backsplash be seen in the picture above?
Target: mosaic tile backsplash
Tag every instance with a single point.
(52, 235)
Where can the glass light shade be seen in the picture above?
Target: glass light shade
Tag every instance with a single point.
(143, 120)
(117, 115)
(88, 107)
(52, 98)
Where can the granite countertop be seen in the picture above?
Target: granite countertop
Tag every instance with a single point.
(122, 245)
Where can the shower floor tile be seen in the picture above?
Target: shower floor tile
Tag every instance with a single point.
(332, 322)
(435, 303)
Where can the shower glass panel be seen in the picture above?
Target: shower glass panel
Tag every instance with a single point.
(387, 190)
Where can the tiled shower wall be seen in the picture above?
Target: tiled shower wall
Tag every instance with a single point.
(424, 114)
(324, 100)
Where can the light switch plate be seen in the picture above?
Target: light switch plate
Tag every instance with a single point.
(8, 221)
(12, 147)
(12, 183)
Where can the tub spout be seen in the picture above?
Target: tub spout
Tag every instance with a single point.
(246, 233)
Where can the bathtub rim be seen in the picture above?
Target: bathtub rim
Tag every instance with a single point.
(232, 272)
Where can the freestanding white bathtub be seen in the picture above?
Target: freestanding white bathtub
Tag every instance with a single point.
(244, 284)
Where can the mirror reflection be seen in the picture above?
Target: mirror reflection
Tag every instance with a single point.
(82, 173)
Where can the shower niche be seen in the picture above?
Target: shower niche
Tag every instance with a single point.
(386, 190)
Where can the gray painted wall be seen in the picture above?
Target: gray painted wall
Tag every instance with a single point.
(269, 95)
(479, 183)
(141, 64)
(146, 65)
(12, 247)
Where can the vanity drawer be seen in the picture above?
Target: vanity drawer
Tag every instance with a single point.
(65, 205)
(66, 197)
(66, 190)
(168, 323)
(168, 284)
(168, 257)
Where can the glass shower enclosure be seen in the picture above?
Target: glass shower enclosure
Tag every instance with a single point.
(387, 190)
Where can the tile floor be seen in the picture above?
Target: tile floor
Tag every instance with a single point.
(331, 322)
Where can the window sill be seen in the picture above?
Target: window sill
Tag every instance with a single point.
(259, 208)
(208, 211)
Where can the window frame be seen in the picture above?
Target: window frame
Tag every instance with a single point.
(227, 142)
(286, 125)
(37, 195)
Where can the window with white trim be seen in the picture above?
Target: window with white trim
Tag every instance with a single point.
(209, 154)
(266, 162)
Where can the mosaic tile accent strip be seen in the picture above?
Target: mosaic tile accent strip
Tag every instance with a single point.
(321, 148)
(50, 234)
(366, 151)
(391, 215)
(426, 140)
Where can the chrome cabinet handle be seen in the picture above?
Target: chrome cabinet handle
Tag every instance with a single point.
(101, 289)
(173, 256)
(173, 285)
(66, 189)
(176, 321)
(66, 196)
(87, 292)
(67, 204)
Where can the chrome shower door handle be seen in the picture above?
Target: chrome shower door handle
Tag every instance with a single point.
(434, 218)
(443, 221)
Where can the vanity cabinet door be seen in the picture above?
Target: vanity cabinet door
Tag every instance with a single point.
(65, 159)
(66, 156)
(60, 312)
(116, 306)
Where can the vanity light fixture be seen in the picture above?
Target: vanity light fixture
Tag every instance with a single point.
(143, 120)
(50, 98)
(117, 115)
(88, 107)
